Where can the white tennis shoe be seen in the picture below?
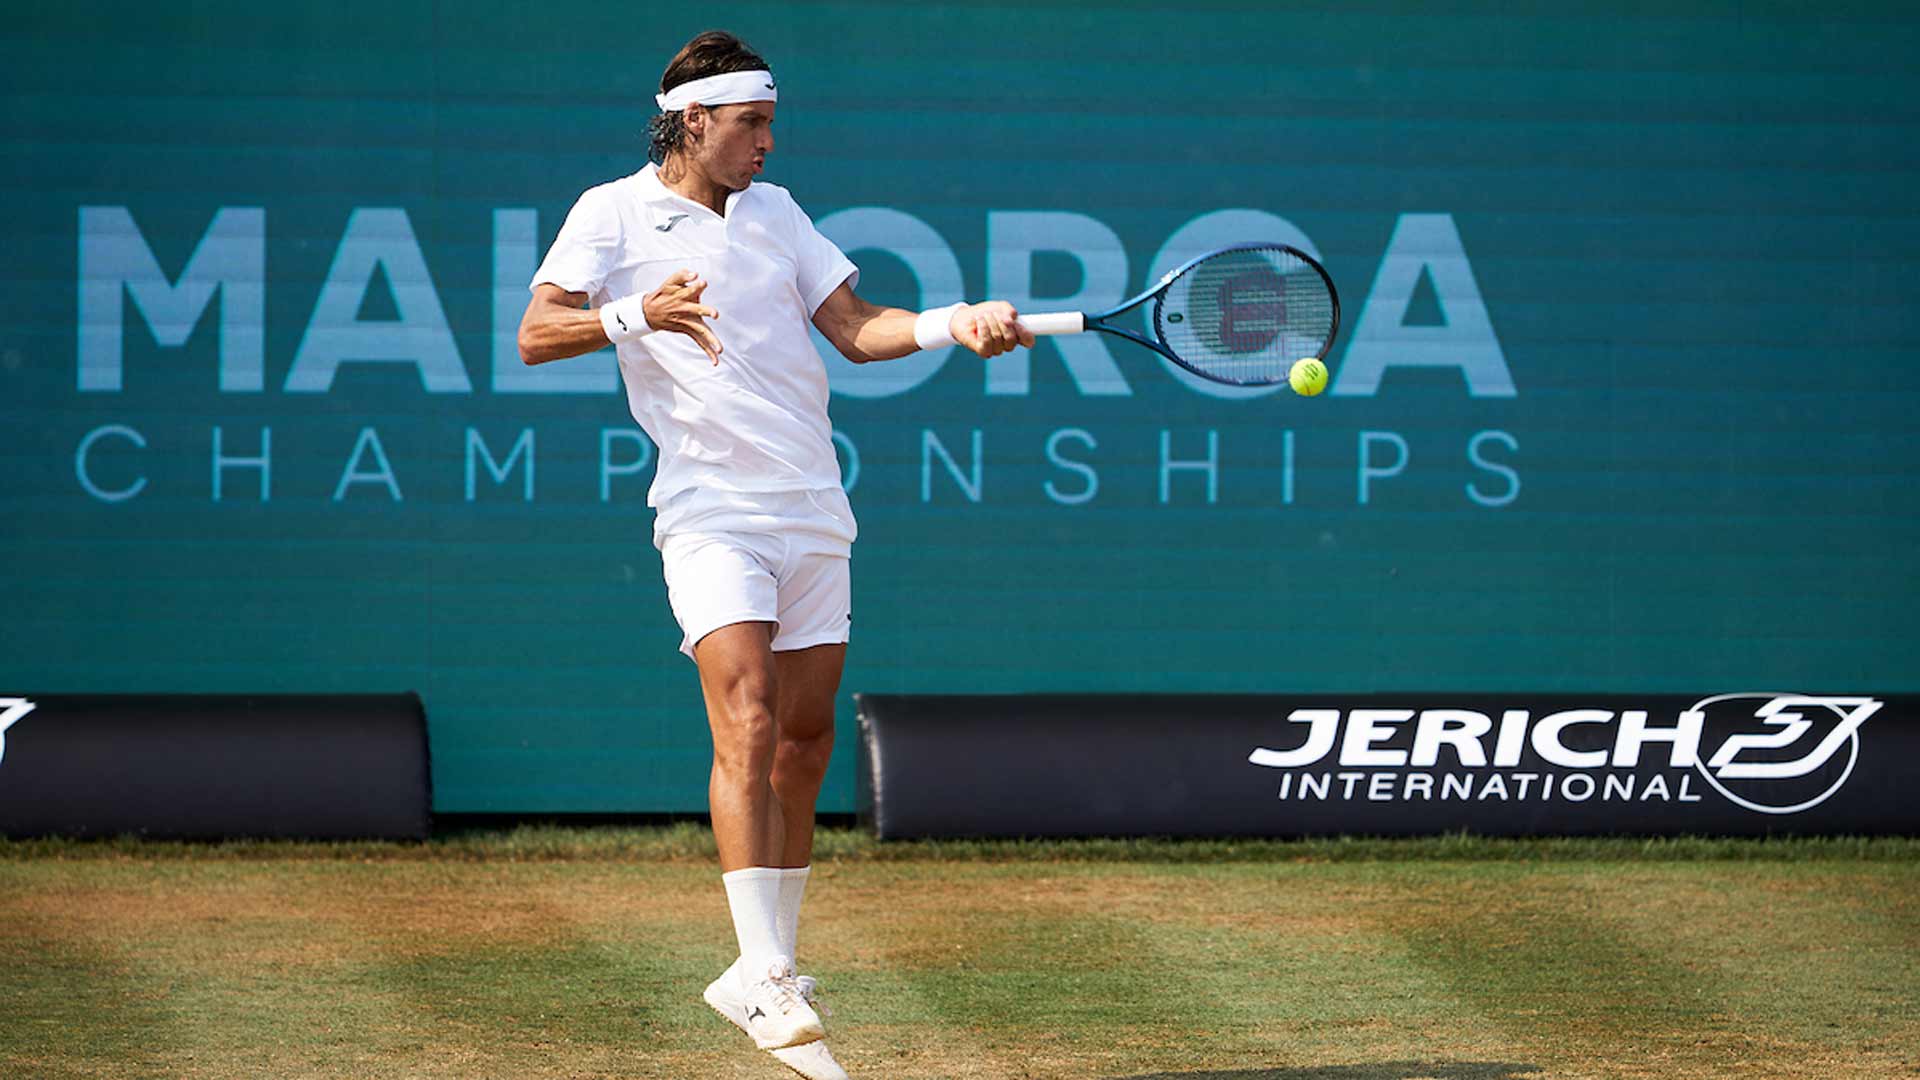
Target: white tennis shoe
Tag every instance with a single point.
(811, 1060)
(773, 1008)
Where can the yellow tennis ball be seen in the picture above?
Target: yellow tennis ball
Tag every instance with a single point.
(1307, 376)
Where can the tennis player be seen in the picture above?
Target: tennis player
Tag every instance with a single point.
(705, 282)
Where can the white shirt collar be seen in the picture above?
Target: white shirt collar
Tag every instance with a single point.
(653, 190)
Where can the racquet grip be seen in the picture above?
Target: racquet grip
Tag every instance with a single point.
(1057, 322)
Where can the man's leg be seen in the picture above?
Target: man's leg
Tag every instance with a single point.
(808, 682)
(739, 680)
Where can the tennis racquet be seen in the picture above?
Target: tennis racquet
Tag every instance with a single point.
(1241, 315)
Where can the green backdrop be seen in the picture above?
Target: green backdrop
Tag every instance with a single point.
(1624, 398)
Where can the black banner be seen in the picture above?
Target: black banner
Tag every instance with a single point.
(338, 766)
(1752, 763)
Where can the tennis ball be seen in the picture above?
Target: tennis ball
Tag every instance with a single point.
(1307, 376)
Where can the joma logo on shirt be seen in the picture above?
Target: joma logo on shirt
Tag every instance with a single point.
(671, 222)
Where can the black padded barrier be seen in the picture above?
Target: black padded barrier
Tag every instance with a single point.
(331, 766)
(1742, 763)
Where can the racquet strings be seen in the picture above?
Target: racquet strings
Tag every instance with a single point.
(1245, 316)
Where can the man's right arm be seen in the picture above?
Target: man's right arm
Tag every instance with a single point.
(557, 323)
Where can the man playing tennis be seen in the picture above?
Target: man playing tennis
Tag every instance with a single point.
(705, 282)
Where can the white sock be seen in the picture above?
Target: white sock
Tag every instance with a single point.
(793, 889)
(753, 895)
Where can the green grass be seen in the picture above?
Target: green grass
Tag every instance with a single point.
(691, 840)
(575, 952)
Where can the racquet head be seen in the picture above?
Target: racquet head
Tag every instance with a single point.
(1243, 315)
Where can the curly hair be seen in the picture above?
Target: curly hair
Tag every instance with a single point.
(714, 52)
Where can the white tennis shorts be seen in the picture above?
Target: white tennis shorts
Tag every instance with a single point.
(797, 577)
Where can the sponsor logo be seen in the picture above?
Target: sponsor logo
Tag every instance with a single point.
(1785, 770)
(1771, 753)
(757, 1014)
(12, 710)
(671, 222)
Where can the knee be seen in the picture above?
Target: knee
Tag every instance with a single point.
(744, 745)
(805, 755)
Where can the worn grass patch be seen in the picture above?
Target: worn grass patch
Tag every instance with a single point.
(563, 952)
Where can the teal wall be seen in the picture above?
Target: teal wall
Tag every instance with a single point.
(1625, 398)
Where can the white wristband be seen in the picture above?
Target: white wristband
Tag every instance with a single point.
(625, 319)
(934, 328)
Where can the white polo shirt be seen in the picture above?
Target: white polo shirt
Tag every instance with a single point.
(751, 432)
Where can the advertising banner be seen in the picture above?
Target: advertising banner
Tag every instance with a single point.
(335, 767)
(1753, 763)
(1623, 395)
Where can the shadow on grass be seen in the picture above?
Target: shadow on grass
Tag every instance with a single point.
(1390, 1070)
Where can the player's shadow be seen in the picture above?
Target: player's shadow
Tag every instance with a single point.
(1388, 1070)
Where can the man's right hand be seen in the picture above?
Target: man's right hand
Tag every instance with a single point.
(989, 328)
(676, 306)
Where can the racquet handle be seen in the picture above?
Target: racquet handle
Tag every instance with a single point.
(1058, 322)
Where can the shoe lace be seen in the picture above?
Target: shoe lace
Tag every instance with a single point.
(787, 986)
(809, 988)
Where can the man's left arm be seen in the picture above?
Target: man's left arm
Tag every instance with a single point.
(866, 332)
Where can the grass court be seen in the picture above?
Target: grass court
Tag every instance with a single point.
(544, 951)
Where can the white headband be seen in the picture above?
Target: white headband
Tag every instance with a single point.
(730, 89)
